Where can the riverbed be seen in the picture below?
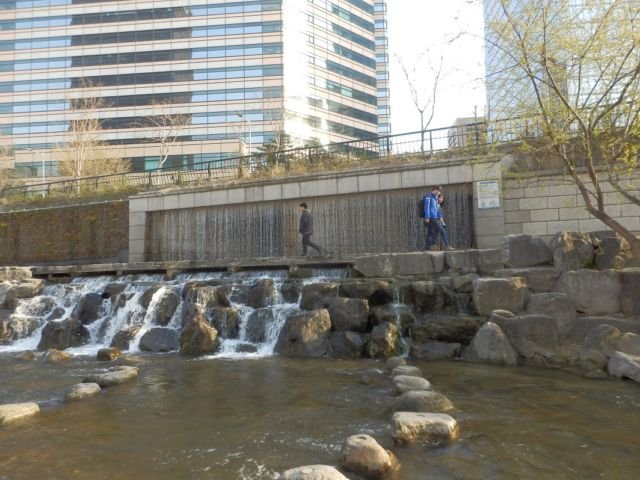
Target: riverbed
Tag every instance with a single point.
(230, 419)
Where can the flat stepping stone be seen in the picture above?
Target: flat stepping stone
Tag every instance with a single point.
(405, 383)
(115, 376)
(81, 391)
(415, 427)
(407, 370)
(13, 412)
(422, 401)
(313, 472)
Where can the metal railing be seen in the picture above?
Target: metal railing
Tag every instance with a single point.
(415, 144)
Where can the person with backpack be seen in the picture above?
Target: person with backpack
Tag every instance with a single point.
(431, 216)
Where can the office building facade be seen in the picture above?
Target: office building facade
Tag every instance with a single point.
(208, 80)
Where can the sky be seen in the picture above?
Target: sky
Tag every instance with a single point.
(421, 32)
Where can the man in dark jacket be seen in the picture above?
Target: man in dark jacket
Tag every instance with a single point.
(431, 217)
(306, 229)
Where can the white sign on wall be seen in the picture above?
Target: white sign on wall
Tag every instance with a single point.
(488, 194)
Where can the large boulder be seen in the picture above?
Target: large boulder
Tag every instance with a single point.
(315, 291)
(464, 283)
(147, 295)
(630, 291)
(557, 305)
(305, 335)
(612, 251)
(88, 308)
(427, 297)
(347, 314)
(594, 292)
(313, 472)
(257, 323)
(55, 356)
(81, 391)
(108, 354)
(263, 293)
(435, 351)
(572, 250)
(417, 427)
(291, 290)
(17, 327)
(422, 401)
(418, 263)
(62, 334)
(346, 345)
(622, 365)
(490, 260)
(165, 307)
(40, 306)
(5, 288)
(462, 260)
(384, 341)
(122, 339)
(12, 292)
(490, 294)
(15, 273)
(226, 321)
(458, 329)
(525, 251)
(401, 315)
(383, 265)
(598, 346)
(198, 337)
(491, 345)
(534, 337)
(538, 279)
(159, 339)
(14, 412)
(629, 343)
(583, 325)
(366, 289)
(362, 455)
(113, 376)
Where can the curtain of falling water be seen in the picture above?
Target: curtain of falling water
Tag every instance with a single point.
(373, 222)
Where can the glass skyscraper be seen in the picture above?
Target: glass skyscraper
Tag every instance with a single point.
(236, 73)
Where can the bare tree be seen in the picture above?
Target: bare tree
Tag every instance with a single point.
(423, 87)
(6, 167)
(166, 126)
(85, 153)
(576, 66)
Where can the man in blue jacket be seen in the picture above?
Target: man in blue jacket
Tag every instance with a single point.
(431, 217)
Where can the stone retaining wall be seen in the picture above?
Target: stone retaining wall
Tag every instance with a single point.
(550, 203)
(65, 235)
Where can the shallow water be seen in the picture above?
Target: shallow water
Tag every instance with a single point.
(250, 419)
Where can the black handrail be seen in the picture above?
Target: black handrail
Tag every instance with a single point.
(413, 143)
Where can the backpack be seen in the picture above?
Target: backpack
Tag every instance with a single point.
(420, 208)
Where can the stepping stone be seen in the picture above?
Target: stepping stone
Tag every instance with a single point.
(415, 427)
(12, 412)
(405, 383)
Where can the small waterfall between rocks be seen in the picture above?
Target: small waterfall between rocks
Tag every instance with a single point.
(145, 312)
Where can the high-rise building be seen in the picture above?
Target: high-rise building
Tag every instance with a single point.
(187, 81)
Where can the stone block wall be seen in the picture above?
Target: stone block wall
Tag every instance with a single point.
(94, 233)
(549, 204)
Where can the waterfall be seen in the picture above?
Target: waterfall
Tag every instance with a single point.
(111, 306)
